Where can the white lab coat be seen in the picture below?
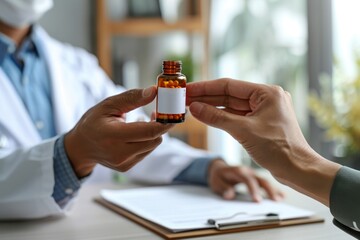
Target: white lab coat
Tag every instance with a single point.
(26, 161)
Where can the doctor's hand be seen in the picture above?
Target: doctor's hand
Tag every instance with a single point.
(262, 119)
(223, 178)
(102, 135)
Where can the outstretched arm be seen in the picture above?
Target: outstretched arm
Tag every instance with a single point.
(262, 119)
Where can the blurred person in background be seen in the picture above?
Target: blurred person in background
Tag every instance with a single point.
(61, 122)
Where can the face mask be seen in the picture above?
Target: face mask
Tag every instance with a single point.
(20, 13)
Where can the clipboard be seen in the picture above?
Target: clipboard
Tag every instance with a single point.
(166, 234)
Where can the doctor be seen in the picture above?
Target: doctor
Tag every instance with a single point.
(56, 129)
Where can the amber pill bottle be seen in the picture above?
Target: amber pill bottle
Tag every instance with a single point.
(171, 93)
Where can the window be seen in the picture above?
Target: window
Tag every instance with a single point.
(259, 41)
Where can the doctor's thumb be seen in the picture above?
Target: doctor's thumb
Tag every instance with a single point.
(134, 98)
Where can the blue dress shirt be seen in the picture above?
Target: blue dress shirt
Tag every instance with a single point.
(27, 70)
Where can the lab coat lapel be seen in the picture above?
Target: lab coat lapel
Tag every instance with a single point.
(62, 101)
(14, 116)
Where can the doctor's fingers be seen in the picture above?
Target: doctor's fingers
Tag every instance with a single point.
(235, 175)
(153, 116)
(125, 164)
(223, 188)
(254, 183)
(123, 156)
(131, 162)
(128, 150)
(128, 101)
(139, 131)
(219, 179)
(271, 191)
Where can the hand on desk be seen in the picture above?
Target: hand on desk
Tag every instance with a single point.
(223, 178)
(102, 135)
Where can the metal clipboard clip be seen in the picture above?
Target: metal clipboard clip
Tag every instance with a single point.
(242, 219)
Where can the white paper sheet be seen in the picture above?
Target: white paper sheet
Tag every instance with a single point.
(182, 207)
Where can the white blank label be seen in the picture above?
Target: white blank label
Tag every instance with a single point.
(171, 100)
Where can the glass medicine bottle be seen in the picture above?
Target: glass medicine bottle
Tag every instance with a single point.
(171, 93)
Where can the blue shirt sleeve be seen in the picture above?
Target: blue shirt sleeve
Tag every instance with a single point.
(196, 172)
(67, 183)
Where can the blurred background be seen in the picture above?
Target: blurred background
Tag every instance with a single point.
(297, 44)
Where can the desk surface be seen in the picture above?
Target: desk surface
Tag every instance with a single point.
(90, 221)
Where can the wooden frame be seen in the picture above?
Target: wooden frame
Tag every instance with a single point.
(106, 29)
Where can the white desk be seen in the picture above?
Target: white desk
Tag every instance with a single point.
(90, 221)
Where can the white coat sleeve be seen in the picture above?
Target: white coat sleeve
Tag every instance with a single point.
(30, 172)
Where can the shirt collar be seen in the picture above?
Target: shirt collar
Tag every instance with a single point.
(7, 46)
(30, 44)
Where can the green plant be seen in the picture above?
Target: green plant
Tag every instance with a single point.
(337, 108)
